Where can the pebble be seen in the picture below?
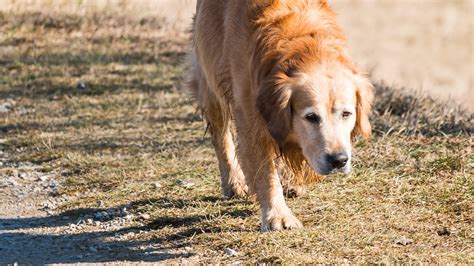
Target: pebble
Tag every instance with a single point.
(72, 227)
(81, 86)
(23, 175)
(49, 205)
(184, 183)
(5, 107)
(43, 178)
(444, 231)
(89, 221)
(403, 241)
(145, 216)
(124, 212)
(230, 252)
(53, 183)
(156, 185)
(101, 203)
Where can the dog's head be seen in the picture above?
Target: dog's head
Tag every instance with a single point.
(308, 91)
(320, 110)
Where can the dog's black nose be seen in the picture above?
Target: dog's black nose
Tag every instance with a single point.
(337, 160)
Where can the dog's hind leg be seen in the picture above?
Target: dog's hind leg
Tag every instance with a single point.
(217, 114)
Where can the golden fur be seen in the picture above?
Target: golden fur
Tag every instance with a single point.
(265, 66)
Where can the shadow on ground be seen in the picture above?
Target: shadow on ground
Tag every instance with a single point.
(18, 245)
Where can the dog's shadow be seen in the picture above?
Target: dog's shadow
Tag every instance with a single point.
(22, 240)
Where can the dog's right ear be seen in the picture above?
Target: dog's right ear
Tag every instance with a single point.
(365, 98)
(273, 104)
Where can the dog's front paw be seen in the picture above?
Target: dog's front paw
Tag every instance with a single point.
(238, 190)
(277, 220)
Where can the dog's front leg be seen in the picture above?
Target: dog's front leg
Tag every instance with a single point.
(275, 213)
(257, 161)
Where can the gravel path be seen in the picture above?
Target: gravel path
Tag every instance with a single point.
(33, 231)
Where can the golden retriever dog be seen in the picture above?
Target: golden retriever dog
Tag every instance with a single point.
(278, 70)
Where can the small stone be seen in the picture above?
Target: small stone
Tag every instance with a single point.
(72, 227)
(81, 86)
(188, 249)
(89, 221)
(230, 252)
(53, 183)
(23, 175)
(5, 107)
(101, 203)
(403, 241)
(156, 185)
(185, 184)
(444, 231)
(49, 205)
(97, 223)
(124, 212)
(43, 178)
(145, 216)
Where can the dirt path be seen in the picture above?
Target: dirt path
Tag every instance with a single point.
(34, 231)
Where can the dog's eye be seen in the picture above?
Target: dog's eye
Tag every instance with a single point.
(346, 114)
(313, 118)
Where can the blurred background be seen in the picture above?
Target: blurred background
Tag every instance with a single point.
(424, 45)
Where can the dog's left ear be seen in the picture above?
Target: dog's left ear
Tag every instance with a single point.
(365, 97)
(273, 104)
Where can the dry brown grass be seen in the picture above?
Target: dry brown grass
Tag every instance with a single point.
(110, 119)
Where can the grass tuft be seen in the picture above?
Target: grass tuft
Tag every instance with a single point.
(401, 112)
